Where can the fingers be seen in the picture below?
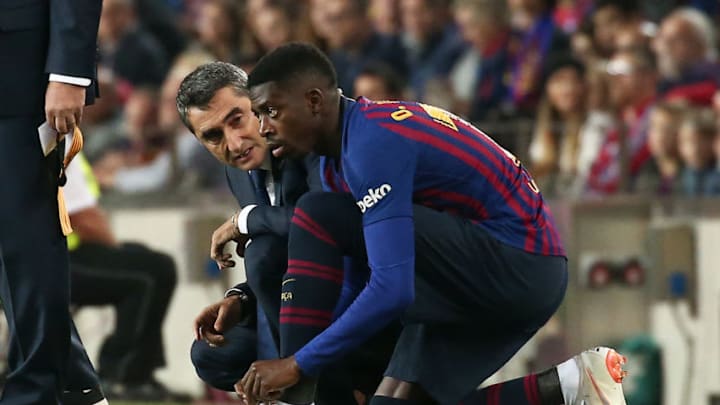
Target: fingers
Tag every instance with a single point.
(197, 331)
(239, 390)
(220, 321)
(63, 121)
(78, 116)
(212, 338)
(223, 260)
(200, 324)
(257, 388)
(63, 106)
(247, 380)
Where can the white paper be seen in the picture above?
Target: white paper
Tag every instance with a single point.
(48, 139)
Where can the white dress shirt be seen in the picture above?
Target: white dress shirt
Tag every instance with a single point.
(269, 187)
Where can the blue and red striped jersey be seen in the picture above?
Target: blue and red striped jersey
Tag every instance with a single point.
(396, 154)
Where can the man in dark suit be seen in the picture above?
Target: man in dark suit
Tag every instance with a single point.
(47, 68)
(232, 333)
(218, 112)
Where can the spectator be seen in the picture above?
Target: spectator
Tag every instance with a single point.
(384, 15)
(635, 34)
(660, 174)
(686, 52)
(137, 281)
(431, 41)
(582, 46)
(160, 20)
(609, 18)
(277, 23)
(142, 163)
(561, 114)
(102, 121)
(535, 35)
(696, 136)
(219, 31)
(483, 92)
(124, 43)
(318, 21)
(624, 150)
(379, 82)
(351, 44)
(569, 14)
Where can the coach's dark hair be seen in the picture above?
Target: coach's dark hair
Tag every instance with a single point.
(200, 86)
(290, 62)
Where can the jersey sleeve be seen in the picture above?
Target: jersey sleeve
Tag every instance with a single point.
(380, 175)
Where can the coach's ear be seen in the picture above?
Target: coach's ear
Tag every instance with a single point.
(315, 99)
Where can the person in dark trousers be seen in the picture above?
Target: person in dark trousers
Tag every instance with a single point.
(47, 73)
(446, 230)
(243, 327)
(137, 281)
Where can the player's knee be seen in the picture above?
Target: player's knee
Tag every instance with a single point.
(199, 358)
(205, 368)
(323, 207)
(313, 204)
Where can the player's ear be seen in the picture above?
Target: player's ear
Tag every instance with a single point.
(315, 99)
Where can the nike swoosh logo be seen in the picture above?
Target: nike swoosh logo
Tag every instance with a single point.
(87, 391)
(605, 400)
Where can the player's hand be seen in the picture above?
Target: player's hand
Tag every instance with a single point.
(224, 234)
(217, 318)
(64, 106)
(267, 379)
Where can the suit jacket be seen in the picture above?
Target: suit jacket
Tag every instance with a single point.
(296, 178)
(267, 257)
(39, 37)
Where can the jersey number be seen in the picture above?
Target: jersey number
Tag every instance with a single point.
(447, 119)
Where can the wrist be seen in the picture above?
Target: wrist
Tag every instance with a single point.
(238, 300)
(235, 228)
(294, 366)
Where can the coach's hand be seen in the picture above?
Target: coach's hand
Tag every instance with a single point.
(64, 106)
(224, 234)
(267, 379)
(217, 318)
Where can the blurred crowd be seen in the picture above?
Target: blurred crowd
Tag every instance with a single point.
(596, 97)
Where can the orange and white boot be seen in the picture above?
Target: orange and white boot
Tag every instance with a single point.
(601, 376)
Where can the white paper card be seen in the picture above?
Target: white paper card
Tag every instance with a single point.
(48, 139)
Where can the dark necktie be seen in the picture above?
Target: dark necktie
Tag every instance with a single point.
(259, 178)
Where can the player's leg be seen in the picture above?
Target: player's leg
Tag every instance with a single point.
(265, 265)
(34, 283)
(593, 377)
(325, 229)
(474, 306)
